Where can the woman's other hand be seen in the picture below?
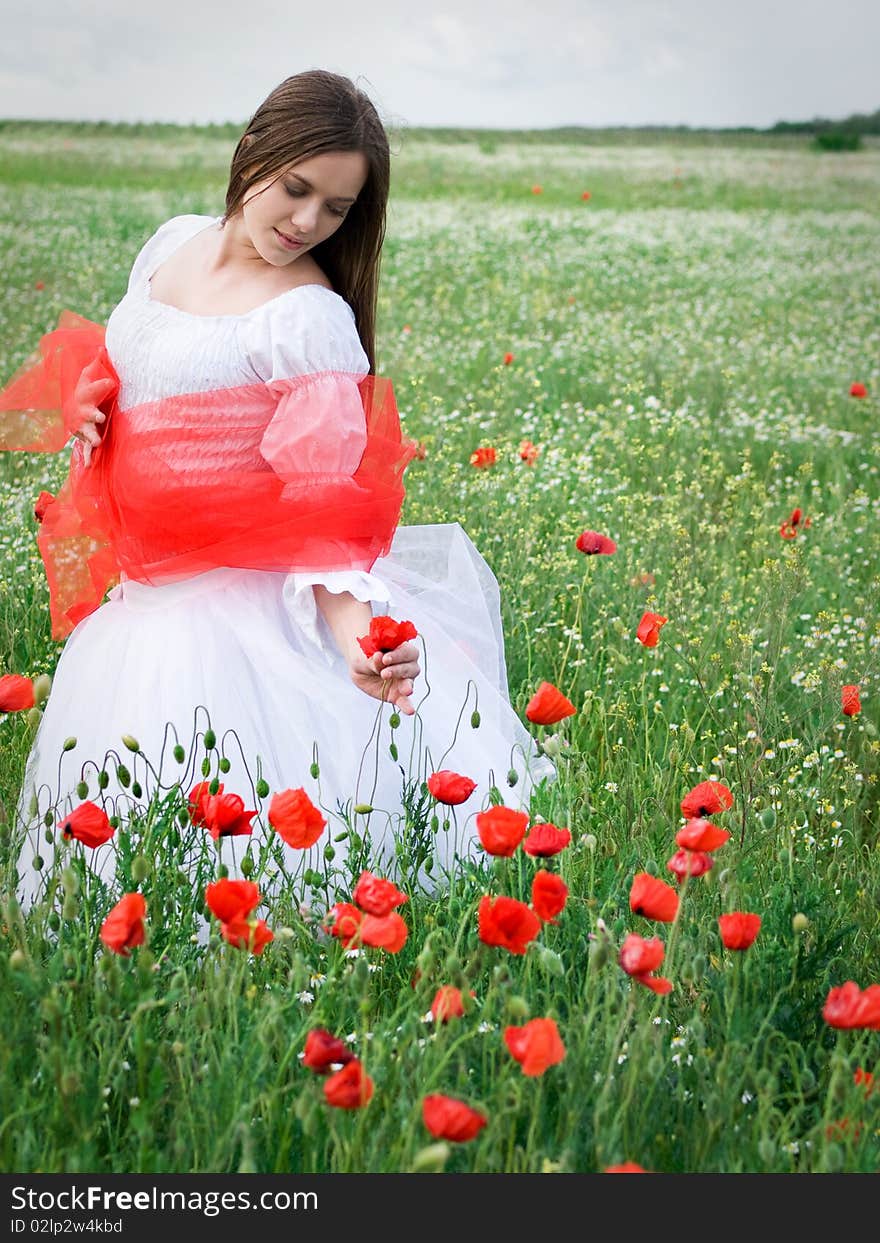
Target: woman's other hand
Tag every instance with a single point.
(91, 388)
(387, 675)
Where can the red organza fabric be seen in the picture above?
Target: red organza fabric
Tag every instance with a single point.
(298, 474)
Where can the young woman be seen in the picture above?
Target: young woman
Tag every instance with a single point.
(237, 473)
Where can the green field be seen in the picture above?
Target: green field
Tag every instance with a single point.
(684, 341)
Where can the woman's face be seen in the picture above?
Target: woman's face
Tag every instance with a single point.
(290, 214)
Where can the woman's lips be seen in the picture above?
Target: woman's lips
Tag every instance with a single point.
(289, 243)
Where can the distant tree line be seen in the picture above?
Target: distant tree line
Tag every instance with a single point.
(857, 123)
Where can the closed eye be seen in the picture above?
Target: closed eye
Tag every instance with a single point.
(296, 193)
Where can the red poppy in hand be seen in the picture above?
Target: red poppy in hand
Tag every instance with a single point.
(592, 543)
(16, 693)
(700, 834)
(653, 898)
(124, 926)
(88, 824)
(451, 788)
(377, 896)
(546, 839)
(850, 701)
(548, 705)
(706, 799)
(536, 1046)
(648, 631)
(447, 1118)
(349, 1088)
(296, 819)
(549, 894)
(385, 635)
(501, 829)
(508, 923)
(229, 899)
(324, 1050)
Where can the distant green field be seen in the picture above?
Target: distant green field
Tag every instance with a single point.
(683, 344)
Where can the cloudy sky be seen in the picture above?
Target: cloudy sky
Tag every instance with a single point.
(495, 63)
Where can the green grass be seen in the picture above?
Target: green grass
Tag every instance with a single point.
(684, 343)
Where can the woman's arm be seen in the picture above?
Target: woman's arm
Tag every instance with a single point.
(387, 675)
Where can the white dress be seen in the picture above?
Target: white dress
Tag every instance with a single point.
(247, 652)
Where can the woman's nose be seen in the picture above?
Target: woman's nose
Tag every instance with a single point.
(305, 219)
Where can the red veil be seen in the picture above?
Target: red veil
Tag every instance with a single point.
(252, 477)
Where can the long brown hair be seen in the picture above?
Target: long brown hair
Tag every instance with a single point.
(311, 114)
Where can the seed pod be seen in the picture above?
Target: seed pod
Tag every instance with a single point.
(103, 779)
(69, 908)
(475, 719)
(314, 771)
(179, 753)
(225, 764)
(799, 922)
(329, 853)
(214, 786)
(210, 740)
(42, 687)
(137, 789)
(82, 789)
(262, 788)
(123, 776)
(512, 777)
(247, 865)
(392, 750)
(140, 868)
(394, 720)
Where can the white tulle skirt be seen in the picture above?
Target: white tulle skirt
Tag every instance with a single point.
(239, 651)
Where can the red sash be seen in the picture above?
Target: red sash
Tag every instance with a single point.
(298, 474)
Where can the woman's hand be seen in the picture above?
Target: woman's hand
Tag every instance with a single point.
(387, 675)
(92, 387)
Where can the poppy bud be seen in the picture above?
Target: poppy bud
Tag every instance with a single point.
(103, 779)
(114, 822)
(69, 908)
(799, 922)
(210, 740)
(548, 959)
(42, 687)
(17, 961)
(768, 818)
(262, 788)
(512, 777)
(69, 744)
(123, 776)
(223, 871)
(394, 720)
(224, 764)
(329, 853)
(475, 719)
(599, 953)
(70, 881)
(33, 716)
(140, 869)
(54, 921)
(517, 1007)
(131, 743)
(179, 753)
(183, 818)
(392, 750)
(49, 818)
(82, 789)
(363, 809)
(435, 824)
(206, 767)
(431, 1159)
(314, 771)
(247, 866)
(698, 965)
(214, 787)
(136, 789)
(37, 863)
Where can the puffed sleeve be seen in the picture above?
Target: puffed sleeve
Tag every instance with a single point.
(157, 248)
(318, 425)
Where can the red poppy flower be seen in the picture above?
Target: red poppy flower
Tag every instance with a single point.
(850, 701)
(653, 898)
(501, 829)
(447, 1004)
(789, 528)
(484, 456)
(451, 788)
(324, 1050)
(857, 389)
(865, 1079)
(706, 799)
(508, 358)
(349, 1088)
(537, 189)
(39, 285)
(229, 899)
(689, 863)
(586, 196)
(377, 896)
(648, 631)
(41, 504)
(700, 834)
(296, 819)
(247, 934)
(344, 921)
(507, 923)
(447, 1118)
(385, 635)
(639, 958)
(536, 1046)
(16, 693)
(384, 932)
(545, 839)
(848, 1007)
(88, 824)
(738, 929)
(198, 795)
(643, 579)
(625, 1167)
(549, 894)
(592, 544)
(528, 452)
(548, 705)
(124, 926)
(225, 816)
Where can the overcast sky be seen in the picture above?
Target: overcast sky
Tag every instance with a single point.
(495, 63)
